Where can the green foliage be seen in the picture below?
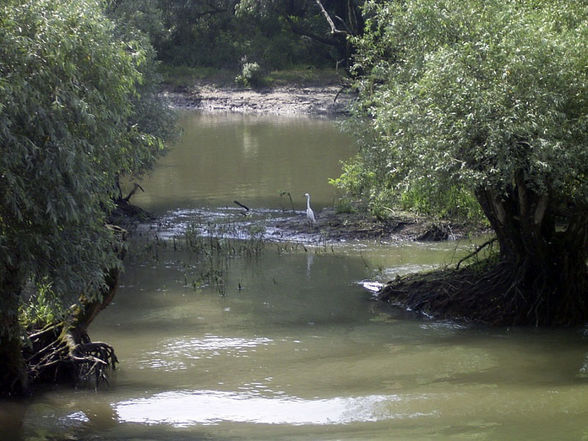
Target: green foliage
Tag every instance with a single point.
(43, 307)
(182, 76)
(461, 95)
(251, 75)
(219, 33)
(199, 33)
(344, 205)
(304, 76)
(453, 202)
(151, 119)
(74, 122)
(139, 17)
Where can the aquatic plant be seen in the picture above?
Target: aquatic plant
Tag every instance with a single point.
(211, 246)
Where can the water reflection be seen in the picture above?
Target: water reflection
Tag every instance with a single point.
(250, 143)
(253, 159)
(309, 262)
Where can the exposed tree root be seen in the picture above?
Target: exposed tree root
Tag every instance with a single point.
(499, 294)
(63, 352)
(59, 354)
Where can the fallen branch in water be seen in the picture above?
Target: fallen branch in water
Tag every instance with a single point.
(242, 206)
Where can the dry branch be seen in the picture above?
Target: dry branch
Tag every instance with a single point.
(334, 29)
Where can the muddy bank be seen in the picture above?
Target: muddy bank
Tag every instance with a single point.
(318, 101)
(332, 226)
(278, 225)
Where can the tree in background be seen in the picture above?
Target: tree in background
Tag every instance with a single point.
(327, 24)
(276, 34)
(71, 121)
(487, 98)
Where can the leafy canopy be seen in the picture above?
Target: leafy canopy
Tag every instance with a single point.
(68, 128)
(457, 95)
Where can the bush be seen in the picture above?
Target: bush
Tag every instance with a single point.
(251, 75)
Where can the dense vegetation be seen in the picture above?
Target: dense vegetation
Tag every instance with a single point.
(78, 110)
(226, 34)
(465, 108)
(486, 100)
(75, 91)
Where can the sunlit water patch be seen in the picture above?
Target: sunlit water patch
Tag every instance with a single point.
(186, 408)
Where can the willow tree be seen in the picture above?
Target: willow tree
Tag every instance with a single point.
(67, 129)
(488, 98)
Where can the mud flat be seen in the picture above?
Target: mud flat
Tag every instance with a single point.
(320, 101)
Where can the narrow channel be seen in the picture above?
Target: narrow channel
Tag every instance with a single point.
(292, 347)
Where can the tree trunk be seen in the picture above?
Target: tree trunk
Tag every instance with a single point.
(547, 265)
(64, 352)
(87, 310)
(13, 373)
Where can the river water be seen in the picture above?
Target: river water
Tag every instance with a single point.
(293, 348)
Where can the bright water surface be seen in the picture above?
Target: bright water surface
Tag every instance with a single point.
(295, 349)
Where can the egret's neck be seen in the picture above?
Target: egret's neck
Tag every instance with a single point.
(307, 201)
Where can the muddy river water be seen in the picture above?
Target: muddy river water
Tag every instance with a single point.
(294, 348)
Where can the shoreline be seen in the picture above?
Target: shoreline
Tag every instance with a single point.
(324, 102)
(328, 101)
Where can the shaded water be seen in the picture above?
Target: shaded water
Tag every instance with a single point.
(295, 349)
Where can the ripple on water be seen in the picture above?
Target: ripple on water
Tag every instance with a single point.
(175, 354)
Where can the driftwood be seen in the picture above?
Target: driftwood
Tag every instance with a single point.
(242, 206)
(132, 192)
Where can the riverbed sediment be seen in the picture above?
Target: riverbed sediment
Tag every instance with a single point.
(328, 101)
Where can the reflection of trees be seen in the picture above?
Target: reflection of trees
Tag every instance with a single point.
(11, 420)
(100, 416)
(250, 143)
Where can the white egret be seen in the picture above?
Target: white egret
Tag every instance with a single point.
(309, 212)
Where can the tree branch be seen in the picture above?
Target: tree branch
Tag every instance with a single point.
(334, 29)
(476, 251)
(297, 29)
(347, 29)
(132, 192)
